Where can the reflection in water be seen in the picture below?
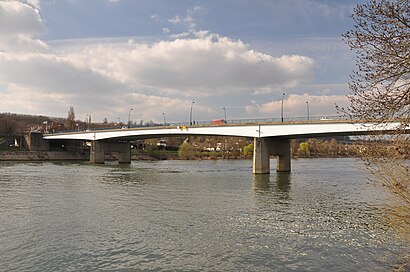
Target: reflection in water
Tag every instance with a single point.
(283, 182)
(278, 183)
(261, 182)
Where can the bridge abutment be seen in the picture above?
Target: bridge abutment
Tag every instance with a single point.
(99, 148)
(264, 148)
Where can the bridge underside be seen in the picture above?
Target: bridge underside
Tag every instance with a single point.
(99, 148)
(264, 148)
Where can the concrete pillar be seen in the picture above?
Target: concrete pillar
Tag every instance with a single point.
(99, 148)
(283, 156)
(264, 148)
(97, 153)
(261, 156)
(124, 152)
(36, 142)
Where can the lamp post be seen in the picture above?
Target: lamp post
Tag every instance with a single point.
(165, 122)
(88, 120)
(190, 116)
(129, 117)
(224, 113)
(281, 111)
(307, 109)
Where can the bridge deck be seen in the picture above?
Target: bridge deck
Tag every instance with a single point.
(285, 130)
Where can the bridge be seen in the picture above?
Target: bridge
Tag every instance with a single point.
(269, 139)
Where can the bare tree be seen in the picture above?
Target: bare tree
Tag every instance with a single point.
(380, 92)
(71, 119)
(8, 125)
(380, 85)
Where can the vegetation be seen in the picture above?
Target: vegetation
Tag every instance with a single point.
(380, 92)
(381, 38)
(248, 150)
(71, 119)
(186, 151)
(304, 149)
(8, 125)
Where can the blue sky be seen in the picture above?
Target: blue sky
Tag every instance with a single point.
(105, 56)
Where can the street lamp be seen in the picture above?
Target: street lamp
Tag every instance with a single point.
(88, 120)
(307, 109)
(190, 116)
(165, 122)
(281, 111)
(129, 117)
(224, 113)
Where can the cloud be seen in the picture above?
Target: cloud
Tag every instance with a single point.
(20, 23)
(208, 65)
(170, 73)
(295, 105)
(51, 73)
(17, 18)
(188, 19)
(175, 20)
(107, 77)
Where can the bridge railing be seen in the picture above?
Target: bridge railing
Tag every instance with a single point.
(264, 120)
(231, 122)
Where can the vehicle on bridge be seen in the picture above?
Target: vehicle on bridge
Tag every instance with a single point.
(218, 121)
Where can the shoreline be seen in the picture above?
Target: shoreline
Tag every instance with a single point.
(23, 155)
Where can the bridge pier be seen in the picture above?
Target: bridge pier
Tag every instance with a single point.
(264, 148)
(99, 148)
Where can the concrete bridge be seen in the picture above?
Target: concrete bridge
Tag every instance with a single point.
(269, 139)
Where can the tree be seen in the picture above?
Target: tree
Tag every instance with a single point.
(248, 150)
(380, 85)
(304, 149)
(71, 119)
(8, 125)
(186, 151)
(380, 92)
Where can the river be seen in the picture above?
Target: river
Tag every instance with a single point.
(193, 216)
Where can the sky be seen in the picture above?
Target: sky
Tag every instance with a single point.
(106, 57)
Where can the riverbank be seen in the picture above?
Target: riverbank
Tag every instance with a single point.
(136, 155)
(41, 156)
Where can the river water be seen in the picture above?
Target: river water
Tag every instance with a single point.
(193, 215)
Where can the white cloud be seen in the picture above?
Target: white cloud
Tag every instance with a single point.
(19, 18)
(175, 20)
(107, 77)
(209, 65)
(295, 105)
(168, 74)
(20, 23)
(187, 20)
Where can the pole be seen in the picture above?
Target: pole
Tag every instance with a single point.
(165, 122)
(281, 111)
(307, 109)
(190, 116)
(129, 117)
(87, 121)
(224, 113)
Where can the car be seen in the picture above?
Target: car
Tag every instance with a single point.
(218, 121)
(325, 119)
